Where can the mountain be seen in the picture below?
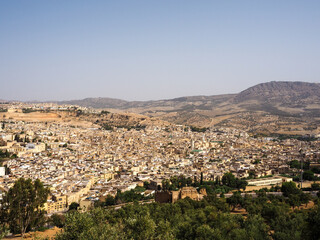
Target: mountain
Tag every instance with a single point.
(282, 98)
(97, 102)
(295, 105)
(122, 104)
(283, 92)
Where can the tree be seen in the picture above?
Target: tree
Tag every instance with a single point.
(295, 164)
(315, 186)
(3, 230)
(104, 112)
(110, 200)
(235, 200)
(141, 227)
(308, 175)
(252, 174)
(241, 184)
(165, 184)
(289, 188)
(146, 184)
(22, 205)
(229, 180)
(313, 221)
(58, 220)
(75, 224)
(204, 232)
(73, 206)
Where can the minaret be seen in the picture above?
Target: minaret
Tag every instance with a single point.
(192, 144)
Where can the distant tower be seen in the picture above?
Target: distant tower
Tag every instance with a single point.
(192, 144)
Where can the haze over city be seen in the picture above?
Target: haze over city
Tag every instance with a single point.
(143, 50)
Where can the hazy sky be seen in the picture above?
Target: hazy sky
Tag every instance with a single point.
(154, 49)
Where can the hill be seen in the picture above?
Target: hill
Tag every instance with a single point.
(285, 92)
(267, 107)
(288, 98)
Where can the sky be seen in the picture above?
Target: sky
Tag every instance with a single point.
(152, 49)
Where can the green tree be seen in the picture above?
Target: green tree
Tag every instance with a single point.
(22, 205)
(3, 230)
(76, 223)
(313, 221)
(256, 228)
(164, 231)
(289, 188)
(308, 175)
(146, 184)
(294, 164)
(58, 220)
(73, 206)
(241, 184)
(110, 200)
(142, 227)
(235, 200)
(165, 184)
(315, 186)
(229, 180)
(204, 232)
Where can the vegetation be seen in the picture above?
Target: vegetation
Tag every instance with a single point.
(280, 137)
(107, 127)
(104, 112)
(267, 217)
(295, 164)
(6, 155)
(257, 161)
(129, 127)
(308, 172)
(73, 206)
(21, 208)
(79, 112)
(57, 220)
(176, 182)
(28, 110)
(315, 186)
(126, 197)
(198, 129)
(229, 182)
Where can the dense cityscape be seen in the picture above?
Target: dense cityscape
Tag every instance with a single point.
(86, 164)
(159, 120)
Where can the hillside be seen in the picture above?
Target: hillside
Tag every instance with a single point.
(288, 98)
(266, 107)
(176, 103)
(286, 92)
(97, 102)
